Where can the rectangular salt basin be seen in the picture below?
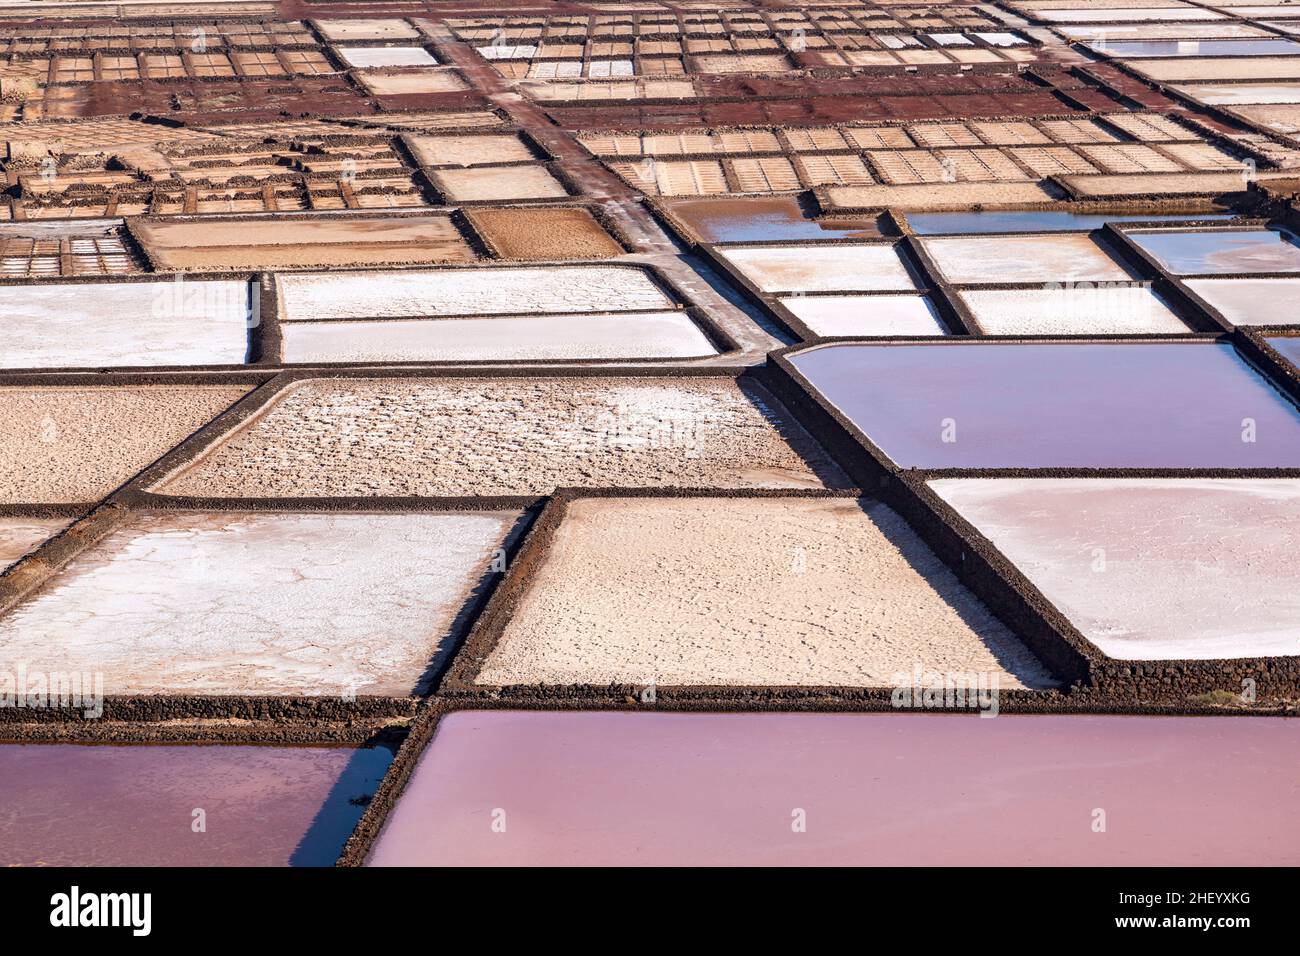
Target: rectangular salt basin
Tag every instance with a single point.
(77, 444)
(105, 805)
(1163, 48)
(1250, 301)
(931, 223)
(239, 604)
(488, 291)
(1102, 14)
(1062, 405)
(19, 537)
(1211, 69)
(1172, 31)
(120, 324)
(504, 338)
(1146, 186)
(936, 196)
(836, 268)
(744, 591)
(1152, 568)
(775, 219)
(476, 150)
(620, 789)
(498, 183)
(1043, 259)
(866, 314)
(382, 56)
(216, 244)
(511, 436)
(1241, 94)
(1090, 309)
(1279, 117)
(417, 82)
(1222, 253)
(543, 232)
(377, 29)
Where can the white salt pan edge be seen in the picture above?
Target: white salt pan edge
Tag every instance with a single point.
(124, 324)
(380, 56)
(422, 292)
(651, 335)
(866, 314)
(837, 268)
(1104, 310)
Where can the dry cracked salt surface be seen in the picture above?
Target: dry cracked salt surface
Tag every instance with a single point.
(74, 444)
(737, 591)
(1152, 568)
(523, 436)
(524, 290)
(305, 604)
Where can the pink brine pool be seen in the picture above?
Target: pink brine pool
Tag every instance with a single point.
(530, 788)
(184, 805)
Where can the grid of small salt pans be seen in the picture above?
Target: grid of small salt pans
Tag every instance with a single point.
(707, 162)
(278, 167)
(180, 37)
(811, 24)
(1248, 69)
(28, 253)
(1031, 283)
(581, 48)
(64, 55)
